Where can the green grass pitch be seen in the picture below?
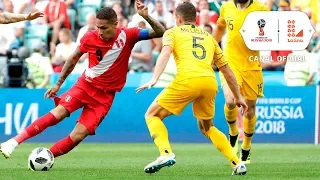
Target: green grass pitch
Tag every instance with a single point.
(194, 161)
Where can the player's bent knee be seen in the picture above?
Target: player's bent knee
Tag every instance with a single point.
(250, 113)
(78, 137)
(152, 110)
(163, 113)
(60, 112)
(202, 130)
(79, 133)
(156, 110)
(204, 125)
(148, 114)
(251, 110)
(230, 102)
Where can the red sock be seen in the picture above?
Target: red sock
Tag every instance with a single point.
(36, 127)
(63, 146)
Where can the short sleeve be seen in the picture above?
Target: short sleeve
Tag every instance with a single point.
(264, 8)
(133, 34)
(315, 10)
(47, 66)
(221, 21)
(168, 38)
(20, 24)
(59, 50)
(219, 59)
(83, 45)
(81, 33)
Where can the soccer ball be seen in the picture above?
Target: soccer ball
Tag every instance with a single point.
(40, 159)
(261, 23)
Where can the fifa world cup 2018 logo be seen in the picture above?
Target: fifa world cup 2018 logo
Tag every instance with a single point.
(261, 25)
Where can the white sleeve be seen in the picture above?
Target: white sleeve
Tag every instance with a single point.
(47, 66)
(73, 47)
(81, 33)
(59, 50)
(20, 24)
(170, 20)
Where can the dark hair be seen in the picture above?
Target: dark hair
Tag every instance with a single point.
(107, 13)
(187, 11)
(208, 26)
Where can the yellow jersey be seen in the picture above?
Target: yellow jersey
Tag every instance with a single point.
(236, 51)
(306, 4)
(194, 51)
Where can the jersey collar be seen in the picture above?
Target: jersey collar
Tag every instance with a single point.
(193, 26)
(251, 1)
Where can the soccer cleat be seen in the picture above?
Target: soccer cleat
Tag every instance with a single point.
(239, 169)
(8, 147)
(29, 167)
(245, 156)
(234, 142)
(160, 162)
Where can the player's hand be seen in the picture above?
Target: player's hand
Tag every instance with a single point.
(34, 15)
(142, 9)
(52, 92)
(241, 104)
(147, 85)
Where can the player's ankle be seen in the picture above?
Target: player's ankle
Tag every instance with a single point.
(244, 154)
(233, 139)
(166, 153)
(13, 142)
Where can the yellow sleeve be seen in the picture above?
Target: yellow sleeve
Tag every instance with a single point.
(221, 21)
(218, 58)
(315, 10)
(265, 8)
(168, 38)
(293, 4)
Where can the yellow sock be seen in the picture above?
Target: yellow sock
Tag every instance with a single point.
(248, 128)
(222, 144)
(159, 134)
(231, 117)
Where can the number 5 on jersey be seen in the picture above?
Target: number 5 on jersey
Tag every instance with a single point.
(195, 46)
(230, 24)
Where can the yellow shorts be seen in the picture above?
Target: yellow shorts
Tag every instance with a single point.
(250, 82)
(201, 91)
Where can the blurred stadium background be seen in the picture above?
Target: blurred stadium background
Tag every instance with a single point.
(32, 55)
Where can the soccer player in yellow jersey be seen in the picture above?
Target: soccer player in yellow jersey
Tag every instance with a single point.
(195, 51)
(248, 74)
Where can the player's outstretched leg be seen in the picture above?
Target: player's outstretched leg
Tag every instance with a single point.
(38, 126)
(231, 114)
(159, 134)
(65, 145)
(249, 124)
(221, 143)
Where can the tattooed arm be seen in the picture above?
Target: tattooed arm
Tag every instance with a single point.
(66, 70)
(7, 18)
(157, 29)
(69, 66)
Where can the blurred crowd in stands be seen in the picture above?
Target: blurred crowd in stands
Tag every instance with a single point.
(47, 42)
